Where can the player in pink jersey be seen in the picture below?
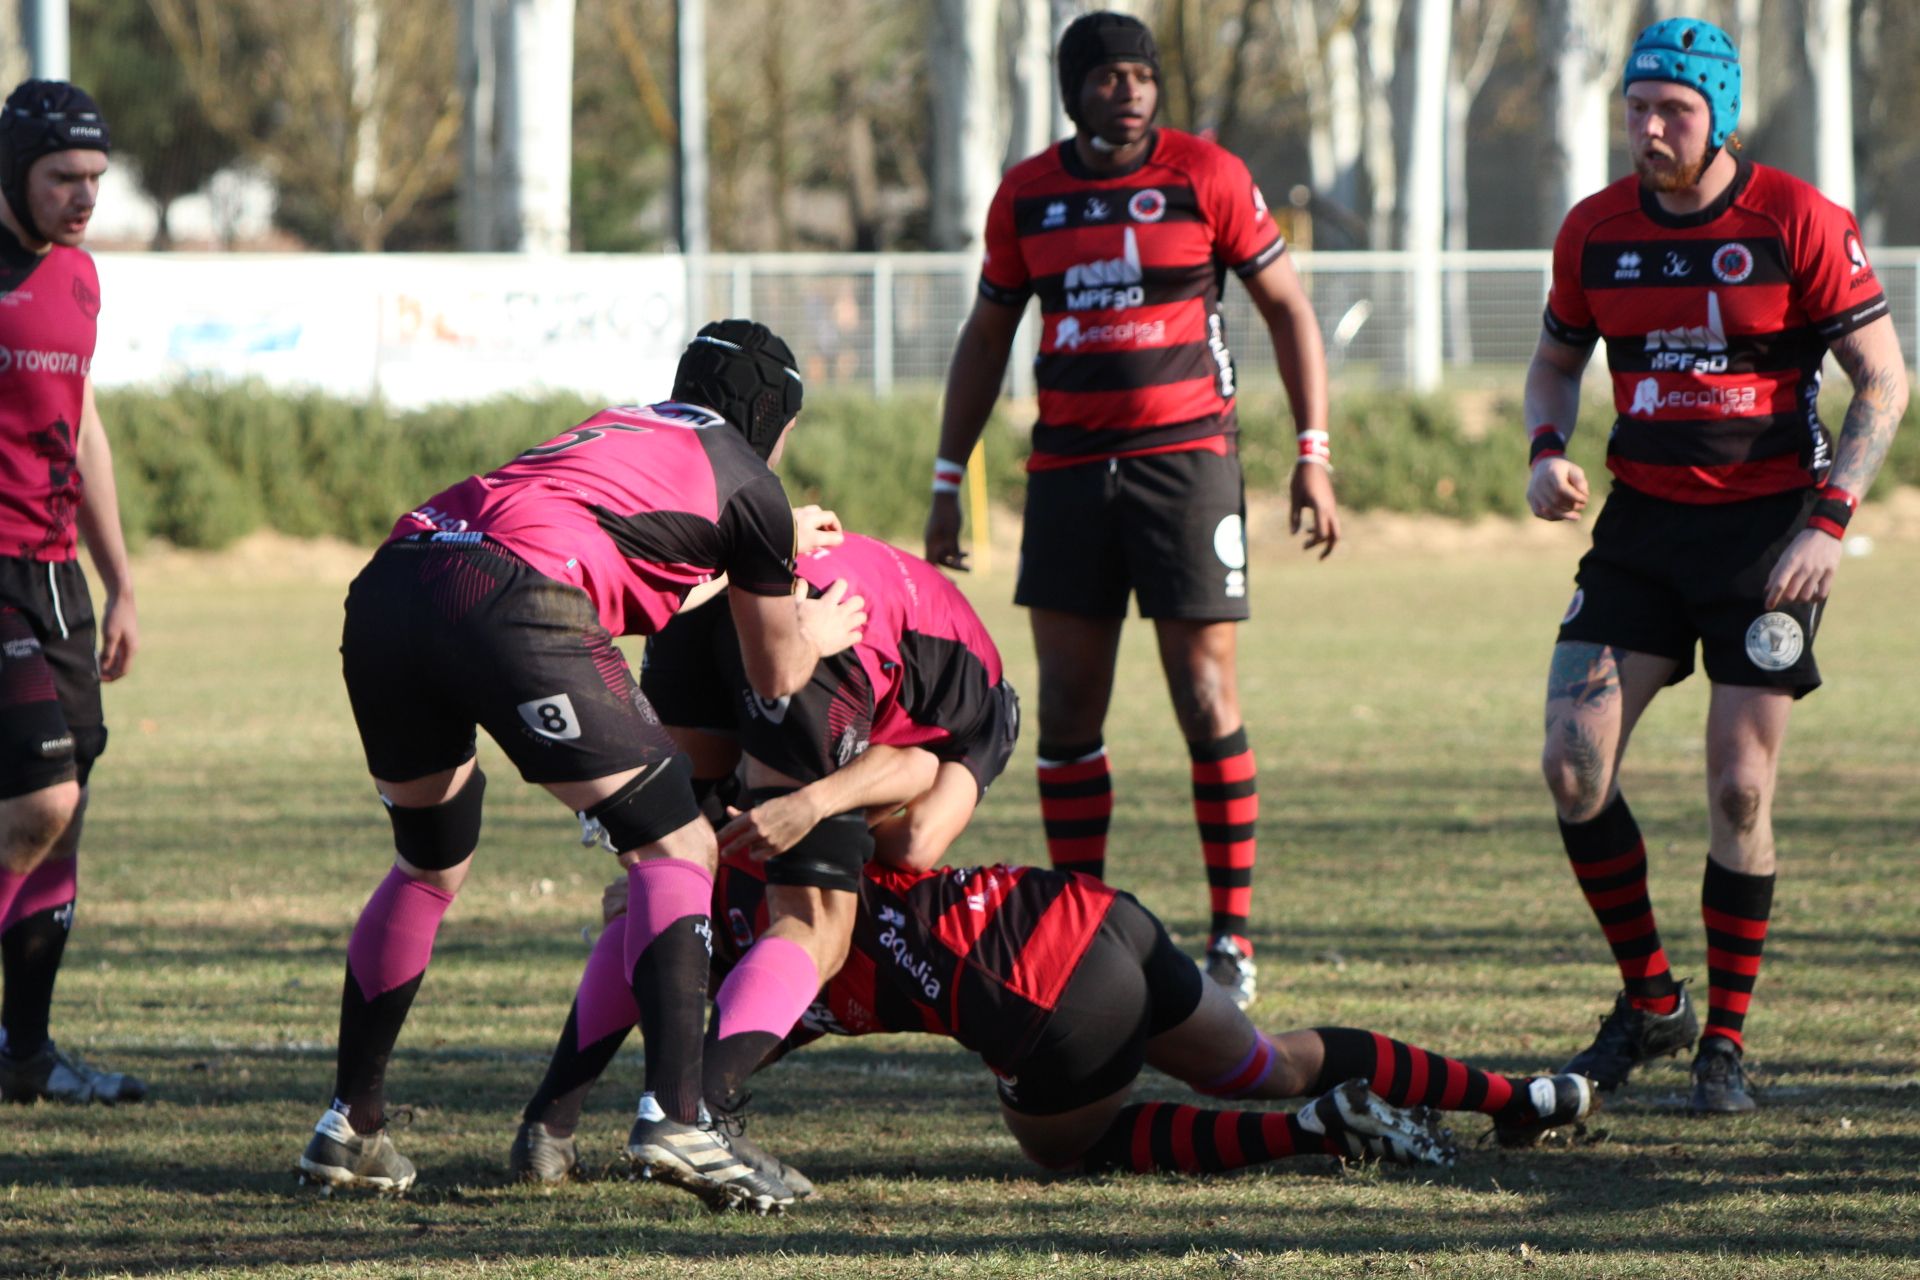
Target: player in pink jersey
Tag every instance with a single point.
(495, 604)
(56, 477)
(1719, 286)
(885, 752)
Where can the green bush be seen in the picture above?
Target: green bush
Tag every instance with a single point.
(202, 465)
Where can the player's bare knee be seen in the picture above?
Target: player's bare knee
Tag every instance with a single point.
(1578, 778)
(1741, 802)
(437, 839)
(33, 824)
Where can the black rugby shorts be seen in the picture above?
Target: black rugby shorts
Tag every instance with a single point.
(440, 638)
(1663, 577)
(1131, 985)
(51, 726)
(1169, 528)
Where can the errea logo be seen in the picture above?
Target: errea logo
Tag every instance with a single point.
(1627, 266)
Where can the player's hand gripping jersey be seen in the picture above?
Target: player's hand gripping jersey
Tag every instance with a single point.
(49, 306)
(1716, 324)
(1128, 268)
(635, 506)
(978, 954)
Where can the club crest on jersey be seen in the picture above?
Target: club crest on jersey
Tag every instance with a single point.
(1775, 641)
(741, 930)
(1732, 263)
(1627, 266)
(1097, 210)
(1147, 206)
(1056, 216)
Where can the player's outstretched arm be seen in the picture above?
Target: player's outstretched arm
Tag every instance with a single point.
(973, 384)
(1295, 331)
(1872, 360)
(879, 776)
(782, 638)
(1556, 488)
(99, 519)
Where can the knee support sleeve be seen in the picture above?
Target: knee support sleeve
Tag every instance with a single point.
(654, 803)
(829, 857)
(439, 836)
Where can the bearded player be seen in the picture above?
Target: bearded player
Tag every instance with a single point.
(1719, 286)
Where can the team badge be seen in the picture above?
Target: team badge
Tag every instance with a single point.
(742, 931)
(1775, 641)
(1573, 606)
(1147, 206)
(1732, 263)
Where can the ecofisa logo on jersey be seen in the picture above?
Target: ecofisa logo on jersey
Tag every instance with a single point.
(1728, 402)
(1107, 284)
(1069, 334)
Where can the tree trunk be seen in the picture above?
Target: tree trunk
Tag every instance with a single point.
(1830, 63)
(1424, 197)
(1379, 27)
(964, 57)
(1588, 44)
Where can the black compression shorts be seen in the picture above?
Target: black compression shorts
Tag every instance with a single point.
(1132, 984)
(51, 727)
(1664, 576)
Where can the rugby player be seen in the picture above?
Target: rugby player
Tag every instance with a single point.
(1125, 232)
(1720, 285)
(56, 477)
(1065, 988)
(496, 603)
(907, 729)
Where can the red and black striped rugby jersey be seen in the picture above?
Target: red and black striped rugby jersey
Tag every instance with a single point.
(1716, 325)
(977, 954)
(1128, 268)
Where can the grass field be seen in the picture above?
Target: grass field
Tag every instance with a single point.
(1410, 881)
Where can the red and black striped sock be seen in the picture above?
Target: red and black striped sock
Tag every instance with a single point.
(1735, 907)
(1169, 1137)
(1610, 862)
(1226, 805)
(1076, 805)
(1409, 1076)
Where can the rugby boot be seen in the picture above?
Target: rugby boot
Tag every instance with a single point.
(336, 1156)
(700, 1158)
(1630, 1036)
(56, 1077)
(541, 1156)
(770, 1165)
(1230, 963)
(1719, 1081)
(1370, 1128)
(1558, 1101)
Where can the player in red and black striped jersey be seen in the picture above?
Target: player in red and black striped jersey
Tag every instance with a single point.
(495, 604)
(1719, 286)
(1065, 989)
(1125, 233)
(56, 481)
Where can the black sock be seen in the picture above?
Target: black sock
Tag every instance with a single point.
(368, 1030)
(570, 1076)
(31, 952)
(670, 986)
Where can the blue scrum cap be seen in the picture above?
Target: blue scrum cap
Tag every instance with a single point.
(1698, 55)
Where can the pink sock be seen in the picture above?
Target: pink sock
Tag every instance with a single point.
(661, 891)
(605, 1000)
(11, 883)
(54, 883)
(768, 990)
(393, 941)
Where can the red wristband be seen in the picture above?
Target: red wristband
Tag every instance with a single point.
(1832, 511)
(1545, 442)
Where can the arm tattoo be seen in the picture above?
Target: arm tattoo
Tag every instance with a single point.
(1879, 401)
(1586, 675)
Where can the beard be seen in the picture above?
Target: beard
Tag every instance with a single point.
(1671, 177)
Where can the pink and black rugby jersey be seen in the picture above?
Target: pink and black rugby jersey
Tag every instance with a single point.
(49, 303)
(635, 506)
(1716, 324)
(979, 954)
(929, 660)
(1128, 268)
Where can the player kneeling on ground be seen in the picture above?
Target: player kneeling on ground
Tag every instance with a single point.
(1065, 988)
(889, 747)
(496, 603)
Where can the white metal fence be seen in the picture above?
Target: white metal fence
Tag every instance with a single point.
(886, 320)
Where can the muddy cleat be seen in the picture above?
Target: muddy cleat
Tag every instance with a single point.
(52, 1075)
(541, 1156)
(338, 1157)
(1558, 1101)
(1370, 1128)
(700, 1158)
(1230, 963)
(1719, 1081)
(1630, 1036)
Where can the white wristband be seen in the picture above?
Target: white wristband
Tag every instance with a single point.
(947, 475)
